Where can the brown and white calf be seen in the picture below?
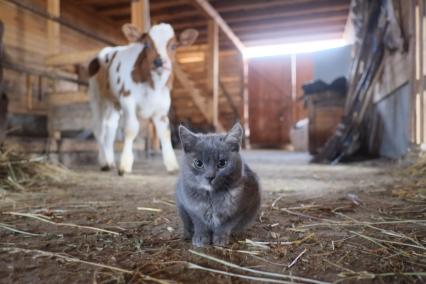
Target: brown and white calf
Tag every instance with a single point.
(131, 80)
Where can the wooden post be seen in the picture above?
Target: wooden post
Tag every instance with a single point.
(53, 28)
(29, 87)
(413, 77)
(245, 103)
(213, 69)
(421, 70)
(53, 47)
(141, 19)
(3, 98)
(140, 14)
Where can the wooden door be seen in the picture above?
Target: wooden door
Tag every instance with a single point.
(270, 101)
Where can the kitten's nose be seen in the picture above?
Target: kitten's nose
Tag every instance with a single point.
(210, 179)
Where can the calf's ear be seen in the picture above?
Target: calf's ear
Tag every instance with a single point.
(131, 32)
(187, 37)
(188, 139)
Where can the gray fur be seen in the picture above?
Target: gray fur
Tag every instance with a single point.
(214, 202)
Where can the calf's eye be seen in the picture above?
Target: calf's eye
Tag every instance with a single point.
(222, 163)
(198, 164)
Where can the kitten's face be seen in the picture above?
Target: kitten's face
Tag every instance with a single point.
(213, 160)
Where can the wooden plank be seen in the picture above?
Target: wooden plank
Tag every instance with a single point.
(67, 98)
(213, 68)
(140, 14)
(208, 10)
(71, 58)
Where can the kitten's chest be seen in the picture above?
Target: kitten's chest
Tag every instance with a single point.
(221, 208)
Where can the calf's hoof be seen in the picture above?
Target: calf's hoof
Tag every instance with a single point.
(173, 172)
(105, 168)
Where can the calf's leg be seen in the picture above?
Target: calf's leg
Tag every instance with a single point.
(131, 129)
(163, 131)
(110, 129)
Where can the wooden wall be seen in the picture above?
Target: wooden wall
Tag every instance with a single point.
(26, 44)
(193, 62)
(274, 88)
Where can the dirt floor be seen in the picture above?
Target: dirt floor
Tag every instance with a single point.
(351, 223)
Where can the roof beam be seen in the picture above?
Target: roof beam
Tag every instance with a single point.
(210, 12)
(254, 19)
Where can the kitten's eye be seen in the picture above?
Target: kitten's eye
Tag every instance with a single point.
(198, 164)
(222, 163)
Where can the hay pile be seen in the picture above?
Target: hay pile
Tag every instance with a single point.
(18, 171)
(418, 169)
(413, 185)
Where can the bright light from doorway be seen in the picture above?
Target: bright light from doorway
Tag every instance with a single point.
(292, 48)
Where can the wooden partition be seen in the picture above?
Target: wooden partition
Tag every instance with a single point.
(274, 89)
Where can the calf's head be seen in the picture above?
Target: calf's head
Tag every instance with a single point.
(160, 44)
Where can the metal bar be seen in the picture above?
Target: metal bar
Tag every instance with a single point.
(61, 21)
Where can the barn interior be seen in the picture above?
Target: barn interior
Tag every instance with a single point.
(330, 94)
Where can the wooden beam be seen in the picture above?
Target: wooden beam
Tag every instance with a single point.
(245, 95)
(421, 71)
(67, 98)
(306, 32)
(29, 87)
(244, 5)
(208, 10)
(293, 39)
(296, 13)
(53, 28)
(140, 14)
(325, 19)
(53, 47)
(114, 8)
(71, 58)
(213, 68)
(413, 61)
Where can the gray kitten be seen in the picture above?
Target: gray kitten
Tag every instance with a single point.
(217, 193)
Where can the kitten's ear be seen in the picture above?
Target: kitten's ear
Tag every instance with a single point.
(187, 138)
(235, 136)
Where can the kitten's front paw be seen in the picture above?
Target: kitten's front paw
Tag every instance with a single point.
(187, 235)
(221, 240)
(200, 240)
